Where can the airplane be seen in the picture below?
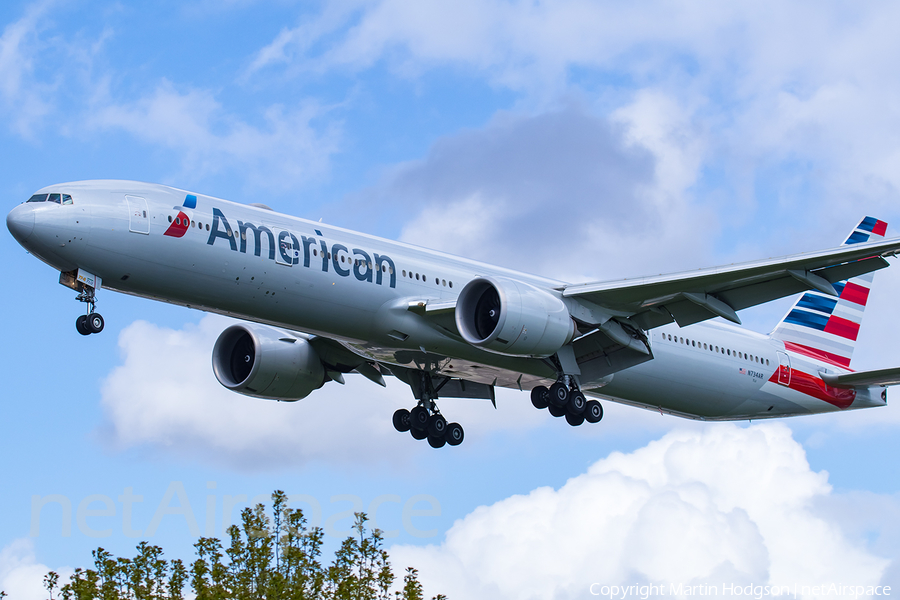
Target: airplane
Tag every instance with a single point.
(319, 302)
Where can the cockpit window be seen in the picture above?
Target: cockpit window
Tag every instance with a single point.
(57, 198)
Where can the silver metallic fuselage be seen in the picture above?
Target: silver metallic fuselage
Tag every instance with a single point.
(239, 275)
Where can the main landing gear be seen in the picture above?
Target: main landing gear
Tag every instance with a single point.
(564, 399)
(426, 422)
(92, 322)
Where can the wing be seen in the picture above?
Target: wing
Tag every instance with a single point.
(863, 379)
(695, 296)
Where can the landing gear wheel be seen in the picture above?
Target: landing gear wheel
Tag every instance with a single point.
(436, 442)
(419, 434)
(82, 326)
(455, 434)
(574, 420)
(559, 394)
(418, 418)
(576, 404)
(95, 323)
(556, 411)
(437, 427)
(401, 420)
(593, 411)
(540, 397)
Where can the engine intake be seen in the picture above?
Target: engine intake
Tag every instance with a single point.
(510, 317)
(262, 362)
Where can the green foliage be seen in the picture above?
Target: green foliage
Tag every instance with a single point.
(266, 559)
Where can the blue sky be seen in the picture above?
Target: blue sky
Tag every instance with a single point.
(580, 140)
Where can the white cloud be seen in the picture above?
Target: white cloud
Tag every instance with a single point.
(23, 95)
(719, 505)
(743, 90)
(288, 150)
(565, 194)
(165, 397)
(21, 576)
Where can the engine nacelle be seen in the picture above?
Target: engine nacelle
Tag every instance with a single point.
(511, 317)
(264, 363)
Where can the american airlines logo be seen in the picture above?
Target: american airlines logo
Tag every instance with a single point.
(287, 248)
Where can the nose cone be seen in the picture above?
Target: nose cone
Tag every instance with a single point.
(20, 222)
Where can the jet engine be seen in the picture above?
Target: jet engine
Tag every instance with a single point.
(511, 317)
(266, 363)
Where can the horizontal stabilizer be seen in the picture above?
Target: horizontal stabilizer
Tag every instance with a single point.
(862, 379)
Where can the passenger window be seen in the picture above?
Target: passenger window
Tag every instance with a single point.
(451, 284)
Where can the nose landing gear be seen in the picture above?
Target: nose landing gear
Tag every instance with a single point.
(92, 322)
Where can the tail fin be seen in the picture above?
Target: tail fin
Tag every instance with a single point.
(825, 327)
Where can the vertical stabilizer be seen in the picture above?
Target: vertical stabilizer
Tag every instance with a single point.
(825, 327)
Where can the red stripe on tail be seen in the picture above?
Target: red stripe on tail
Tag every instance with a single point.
(855, 293)
(842, 327)
(829, 357)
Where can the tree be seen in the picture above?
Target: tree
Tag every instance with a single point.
(277, 558)
(50, 581)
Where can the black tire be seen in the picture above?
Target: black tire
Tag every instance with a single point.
(455, 434)
(540, 397)
(557, 411)
(436, 442)
(593, 411)
(95, 323)
(418, 418)
(559, 394)
(576, 403)
(401, 420)
(437, 426)
(574, 420)
(419, 434)
(81, 325)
